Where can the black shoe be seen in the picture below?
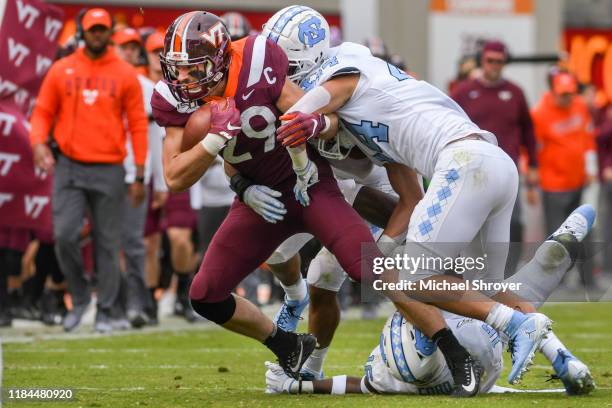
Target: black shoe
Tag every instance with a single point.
(137, 318)
(292, 359)
(466, 375)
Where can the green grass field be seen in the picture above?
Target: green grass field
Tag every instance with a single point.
(213, 368)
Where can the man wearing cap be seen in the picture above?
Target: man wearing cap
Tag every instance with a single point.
(566, 150)
(86, 99)
(498, 105)
(128, 46)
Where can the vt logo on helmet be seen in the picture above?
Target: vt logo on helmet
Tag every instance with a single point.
(196, 55)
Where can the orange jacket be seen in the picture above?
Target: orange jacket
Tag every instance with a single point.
(564, 137)
(86, 102)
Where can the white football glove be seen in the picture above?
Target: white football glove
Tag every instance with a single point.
(306, 177)
(277, 382)
(261, 200)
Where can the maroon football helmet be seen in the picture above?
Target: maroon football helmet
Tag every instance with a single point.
(199, 41)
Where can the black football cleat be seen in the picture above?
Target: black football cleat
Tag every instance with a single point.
(466, 374)
(294, 358)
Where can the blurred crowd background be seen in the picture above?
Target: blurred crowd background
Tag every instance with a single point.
(536, 73)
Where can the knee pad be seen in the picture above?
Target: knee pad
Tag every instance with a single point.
(218, 312)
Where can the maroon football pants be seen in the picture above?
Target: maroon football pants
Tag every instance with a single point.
(245, 240)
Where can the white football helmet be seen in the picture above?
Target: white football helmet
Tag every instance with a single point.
(336, 148)
(303, 34)
(409, 354)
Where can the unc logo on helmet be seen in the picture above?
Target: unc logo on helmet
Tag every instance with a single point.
(303, 34)
(310, 32)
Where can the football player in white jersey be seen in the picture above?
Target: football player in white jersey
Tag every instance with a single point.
(407, 362)
(404, 124)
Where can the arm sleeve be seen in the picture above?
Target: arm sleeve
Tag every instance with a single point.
(133, 106)
(47, 105)
(527, 131)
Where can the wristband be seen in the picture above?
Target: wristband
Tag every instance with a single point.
(339, 385)
(213, 143)
(239, 184)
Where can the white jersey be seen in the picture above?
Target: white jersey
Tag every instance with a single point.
(481, 341)
(393, 117)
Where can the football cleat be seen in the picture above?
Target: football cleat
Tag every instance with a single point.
(293, 360)
(466, 376)
(574, 374)
(578, 224)
(290, 313)
(526, 333)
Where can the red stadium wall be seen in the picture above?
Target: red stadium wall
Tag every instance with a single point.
(160, 18)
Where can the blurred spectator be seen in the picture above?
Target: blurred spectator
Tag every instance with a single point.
(466, 70)
(237, 25)
(154, 45)
(181, 222)
(498, 105)
(377, 48)
(129, 47)
(85, 98)
(13, 244)
(566, 151)
(603, 126)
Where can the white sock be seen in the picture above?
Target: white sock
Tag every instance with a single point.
(550, 346)
(297, 291)
(314, 363)
(499, 316)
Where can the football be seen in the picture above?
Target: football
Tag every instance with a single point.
(198, 125)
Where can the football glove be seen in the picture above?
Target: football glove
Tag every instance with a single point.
(262, 200)
(301, 127)
(306, 177)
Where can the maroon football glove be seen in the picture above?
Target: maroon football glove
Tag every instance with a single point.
(301, 128)
(224, 120)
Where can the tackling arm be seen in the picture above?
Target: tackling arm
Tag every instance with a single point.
(182, 170)
(405, 183)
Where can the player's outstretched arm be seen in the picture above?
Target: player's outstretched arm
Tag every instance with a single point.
(182, 170)
(404, 181)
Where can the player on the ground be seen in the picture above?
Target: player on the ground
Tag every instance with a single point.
(200, 62)
(403, 123)
(407, 362)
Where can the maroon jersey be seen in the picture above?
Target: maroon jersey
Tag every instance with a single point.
(256, 77)
(502, 110)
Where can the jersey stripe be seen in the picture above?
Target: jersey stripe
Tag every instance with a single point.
(283, 20)
(257, 61)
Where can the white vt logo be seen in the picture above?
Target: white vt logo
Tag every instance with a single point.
(27, 12)
(90, 96)
(8, 159)
(52, 28)
(17, 52)
(214, 35)
(8, 121)
(34, 205)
